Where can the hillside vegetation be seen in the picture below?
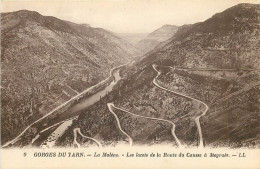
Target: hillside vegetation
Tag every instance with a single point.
(45, 61)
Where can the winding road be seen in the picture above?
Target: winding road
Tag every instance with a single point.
(187, 97)
(110, 105)
(77, 130)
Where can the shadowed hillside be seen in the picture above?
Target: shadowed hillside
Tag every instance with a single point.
(45, 61)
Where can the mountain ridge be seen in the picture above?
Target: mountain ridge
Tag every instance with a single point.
(45, 58)
(157, 36)
(216, 42)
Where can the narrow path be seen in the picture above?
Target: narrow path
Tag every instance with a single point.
(72, 118)
(109, 105)
(187, 97)
(211, 69)
(72, 89)
(50, 127)
(151, 118)
(75, 137)
(77, 130)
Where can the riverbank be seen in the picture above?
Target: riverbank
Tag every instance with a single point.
(51, 118)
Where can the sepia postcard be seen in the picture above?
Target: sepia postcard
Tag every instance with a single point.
(130, 84)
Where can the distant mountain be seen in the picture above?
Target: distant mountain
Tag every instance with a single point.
(229, 39)
(45, 61)
(153, 39)
(132, 38)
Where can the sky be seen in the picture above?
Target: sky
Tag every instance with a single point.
(126, 16)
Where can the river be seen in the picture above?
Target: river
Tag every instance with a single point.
(96, 97)
(76, 109)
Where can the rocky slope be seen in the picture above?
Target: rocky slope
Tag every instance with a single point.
(159, 35)
(45, 61)
(227, 40)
